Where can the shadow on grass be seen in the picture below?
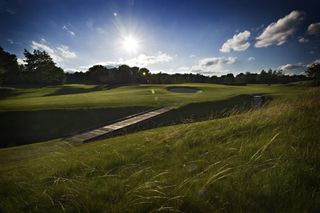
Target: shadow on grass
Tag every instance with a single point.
(67, 90)
(179, 89)
(6, 92)
(25, 127)
(193, 112)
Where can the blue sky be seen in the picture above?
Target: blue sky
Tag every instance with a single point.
(208, 37)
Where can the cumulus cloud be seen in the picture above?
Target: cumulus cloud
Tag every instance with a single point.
(239, 42)
(213, 65)
(314, 29)
(58, 54)
(251, 58)
(298, 68)
(317, 61)
(277, 33)
(303, 40)
(64, 27)
(207, 62)
(141, 60)
(206, 66)
(145, 60)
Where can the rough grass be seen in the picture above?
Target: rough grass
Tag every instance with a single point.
(266, 160)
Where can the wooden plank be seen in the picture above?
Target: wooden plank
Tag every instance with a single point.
(89, 135)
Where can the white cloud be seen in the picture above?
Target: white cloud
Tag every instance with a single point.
(141, 60)
(179, 70)
(314, 29)
(207, 62)
(58, 54)
(144, 60)
(251, 58)
(10, 41)
(183, 69)
(21, 61)
(239, 42)
(316, 61)
(192, 56)
(278, 33)
(65, 52)
(40, 46)
(303, 40)
(298, 68)
(213, 65)
(64, 27)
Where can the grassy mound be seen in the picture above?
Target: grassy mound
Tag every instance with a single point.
(31, 115)
(265, 160)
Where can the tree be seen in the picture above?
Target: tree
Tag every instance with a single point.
(227, 79)
(143, 74)
(9, 68)
(99, 74)
(41, 70)
(123, 74)
(313, 71)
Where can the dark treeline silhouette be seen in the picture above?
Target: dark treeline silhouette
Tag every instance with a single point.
(40, 70)
(124, 74)
(313, 71)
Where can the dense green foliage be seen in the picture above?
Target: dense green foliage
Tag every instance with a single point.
(39, 69)
(265, 160)
(313, 72)
(130, 75)
(9, 68)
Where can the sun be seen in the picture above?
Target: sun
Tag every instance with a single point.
(130, 44)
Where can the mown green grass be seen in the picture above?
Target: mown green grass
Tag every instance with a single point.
(31, 115)
(265, 160)
(139, 95)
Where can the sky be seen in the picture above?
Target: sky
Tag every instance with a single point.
(206, 37)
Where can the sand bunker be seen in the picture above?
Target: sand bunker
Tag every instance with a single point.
(184, 90)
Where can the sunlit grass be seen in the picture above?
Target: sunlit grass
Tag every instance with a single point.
(139, 95)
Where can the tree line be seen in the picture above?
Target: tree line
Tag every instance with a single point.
(40, 70)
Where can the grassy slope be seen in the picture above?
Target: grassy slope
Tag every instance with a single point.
(39, 114)
(140, 95)
(266, 160)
